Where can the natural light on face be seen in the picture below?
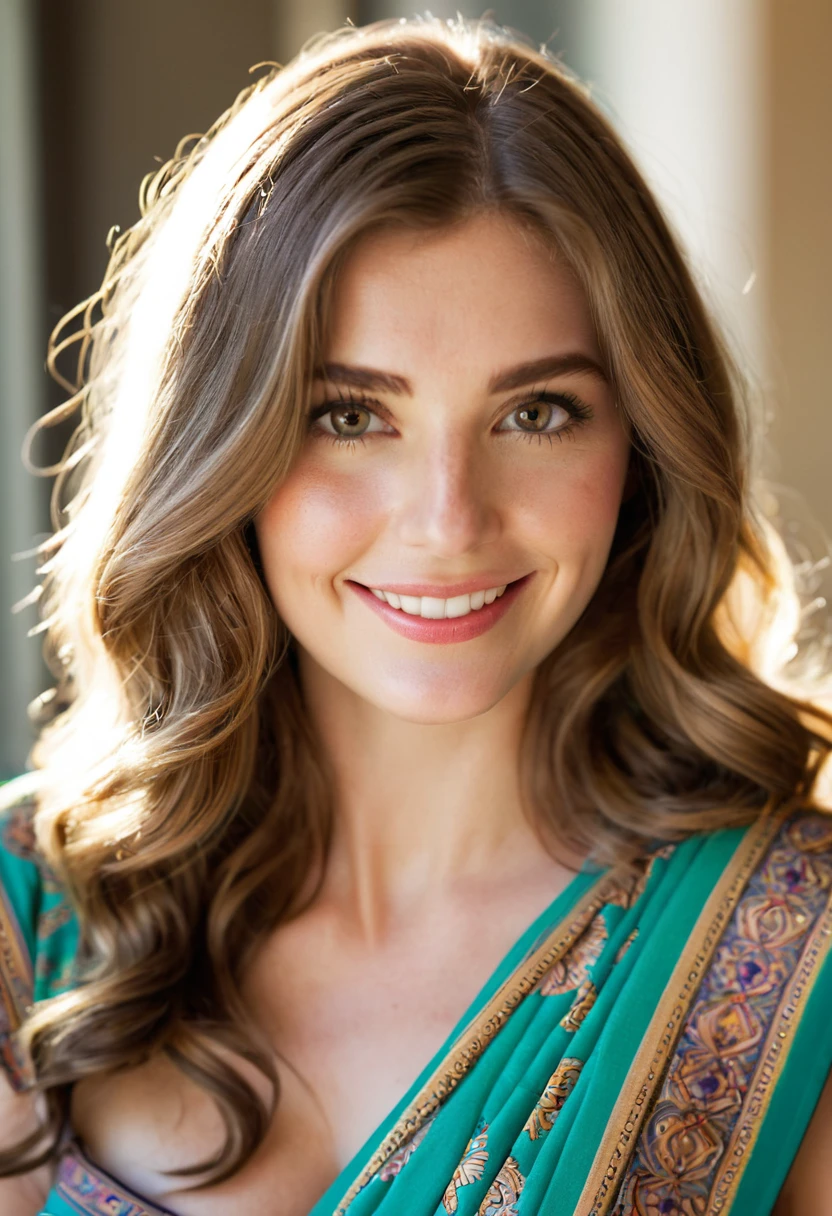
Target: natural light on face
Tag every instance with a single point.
(450, 473)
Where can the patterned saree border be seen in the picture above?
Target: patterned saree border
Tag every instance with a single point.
(659, 1040)
(91, 1191)
(16, 974)
(772, 1059)
(16, 991)
(480, 1031)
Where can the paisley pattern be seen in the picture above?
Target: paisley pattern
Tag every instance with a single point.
(755, 905)
(573, 970)
(558, 1088)
(470, 1169)
(664, 853)
(585, 998)
(504, 1192)
(712, 1072)
(395, 1164)
(622, 950)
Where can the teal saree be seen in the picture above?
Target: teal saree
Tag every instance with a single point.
(655, 1043)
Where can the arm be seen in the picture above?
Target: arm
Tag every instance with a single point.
(807, 1190)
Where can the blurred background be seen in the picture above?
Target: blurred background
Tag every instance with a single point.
(726, 104)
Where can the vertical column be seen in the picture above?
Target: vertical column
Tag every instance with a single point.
(683, 83)
(21, 378)
(798, 189)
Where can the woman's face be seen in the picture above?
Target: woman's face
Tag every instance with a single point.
(462, 439)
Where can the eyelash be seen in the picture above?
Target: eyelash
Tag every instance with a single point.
(580, 413)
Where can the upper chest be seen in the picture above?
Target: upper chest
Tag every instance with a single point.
(351, 1029)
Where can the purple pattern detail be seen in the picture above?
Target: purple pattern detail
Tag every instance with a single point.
(680, 1148)
(90, 1191)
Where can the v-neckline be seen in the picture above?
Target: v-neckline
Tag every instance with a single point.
(525, 945)
(577, 890)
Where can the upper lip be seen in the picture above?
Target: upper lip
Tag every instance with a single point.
(444, 591)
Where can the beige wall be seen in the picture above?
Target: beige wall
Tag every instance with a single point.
(797, 194)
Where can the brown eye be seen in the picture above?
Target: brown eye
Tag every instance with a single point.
(535, 417)
(349, 420)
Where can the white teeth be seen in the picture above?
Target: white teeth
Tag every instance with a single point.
(433, 608)
(460, 605)
(436, 609)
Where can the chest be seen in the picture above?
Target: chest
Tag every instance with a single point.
(351, 1031)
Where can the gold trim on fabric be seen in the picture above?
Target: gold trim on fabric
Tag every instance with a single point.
(770, 1065)
(479, 1032)
(659, 1041)
(80, 1181)
(16, 976)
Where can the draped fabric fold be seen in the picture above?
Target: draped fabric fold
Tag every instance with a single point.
(654, 1043)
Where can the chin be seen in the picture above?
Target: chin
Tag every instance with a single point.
(436, 703)
(422, 714)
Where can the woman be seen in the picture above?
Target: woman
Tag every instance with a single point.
(413, 831)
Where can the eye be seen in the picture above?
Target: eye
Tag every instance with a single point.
(537, 416)
(548, 414)
(345, 419)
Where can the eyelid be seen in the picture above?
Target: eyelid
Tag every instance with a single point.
(573, 405)
(374, 408)
(575, 408)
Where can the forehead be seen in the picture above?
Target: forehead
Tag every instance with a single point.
(479, 295)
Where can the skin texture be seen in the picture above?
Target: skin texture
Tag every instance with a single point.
(435, 492)
(434, 871)
(445, 486)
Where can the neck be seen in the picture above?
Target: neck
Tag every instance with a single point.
(421, 810)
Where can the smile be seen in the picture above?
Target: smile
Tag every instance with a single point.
(437, 609)
(426, 619)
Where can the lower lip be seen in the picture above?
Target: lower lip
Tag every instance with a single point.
(453, 629)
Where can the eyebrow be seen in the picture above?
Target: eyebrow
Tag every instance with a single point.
(374, 381)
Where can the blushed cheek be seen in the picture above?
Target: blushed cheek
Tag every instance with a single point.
(315, 527)
(572, 511)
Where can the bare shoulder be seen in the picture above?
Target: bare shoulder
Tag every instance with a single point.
(807, 1190)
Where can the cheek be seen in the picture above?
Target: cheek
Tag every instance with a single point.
(572, 509)
(313, 525)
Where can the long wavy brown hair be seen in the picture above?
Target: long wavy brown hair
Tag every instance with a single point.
(179, 790)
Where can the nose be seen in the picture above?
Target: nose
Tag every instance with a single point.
(450, 504)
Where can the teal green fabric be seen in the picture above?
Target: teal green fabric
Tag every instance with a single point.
(523, 1129)
(39, 940)
(793, 1102)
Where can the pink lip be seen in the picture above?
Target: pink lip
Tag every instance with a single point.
(455, 629)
